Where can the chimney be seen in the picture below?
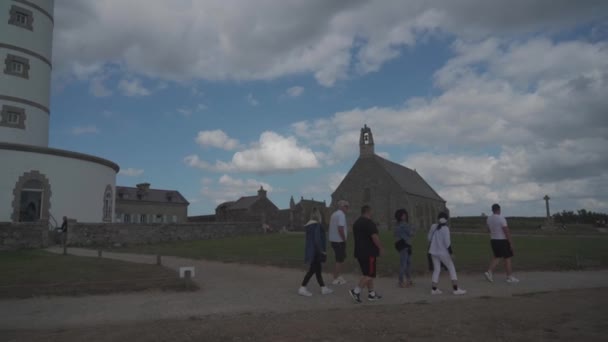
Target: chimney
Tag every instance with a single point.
(262, 192)
(143, 186)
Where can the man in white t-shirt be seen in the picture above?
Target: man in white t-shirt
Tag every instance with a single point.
(502, 245)
(338, 233)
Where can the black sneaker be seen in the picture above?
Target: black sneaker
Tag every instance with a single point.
(356, 296)
(374, 297)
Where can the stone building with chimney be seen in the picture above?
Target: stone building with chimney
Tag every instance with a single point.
(248, 209)
(387, 186)
(142, 204)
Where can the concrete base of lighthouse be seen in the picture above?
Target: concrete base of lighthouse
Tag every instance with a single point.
(40, 183)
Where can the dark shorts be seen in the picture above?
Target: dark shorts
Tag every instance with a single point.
(501, 249)
(339, 250)
(368, 266)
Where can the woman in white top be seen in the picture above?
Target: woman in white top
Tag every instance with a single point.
(440, 249)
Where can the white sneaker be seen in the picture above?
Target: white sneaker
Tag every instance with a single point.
(339, 281)
(326, 290)
(460, 292)
(489, 277)
(304, 292)
(436, 292)
(512, 280)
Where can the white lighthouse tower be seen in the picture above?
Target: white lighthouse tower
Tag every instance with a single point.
(38, 183)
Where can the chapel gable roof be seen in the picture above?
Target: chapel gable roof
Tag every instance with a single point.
(409, 180)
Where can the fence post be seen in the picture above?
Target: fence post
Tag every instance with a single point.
(99, 253)
(158, 260)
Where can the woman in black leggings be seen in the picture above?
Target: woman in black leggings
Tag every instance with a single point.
(314, 253)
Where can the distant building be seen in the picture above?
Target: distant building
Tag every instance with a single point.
(144, 205)
(386, 187)
(248, 208)
(298, 214)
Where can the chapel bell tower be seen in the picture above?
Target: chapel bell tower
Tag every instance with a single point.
(366, 142)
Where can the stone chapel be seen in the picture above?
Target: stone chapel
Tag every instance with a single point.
(386, 186)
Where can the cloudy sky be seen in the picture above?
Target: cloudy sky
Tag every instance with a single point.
(488, 100)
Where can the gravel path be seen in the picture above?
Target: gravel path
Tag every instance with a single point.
(235, 288)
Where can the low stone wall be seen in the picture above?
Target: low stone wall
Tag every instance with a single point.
(15, 236)
(120, 234)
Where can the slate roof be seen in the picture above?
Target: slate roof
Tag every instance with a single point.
(409, 180)
(244, 202)
(152, 195)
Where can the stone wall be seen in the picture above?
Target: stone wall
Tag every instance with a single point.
(112, 234)
(15, 236)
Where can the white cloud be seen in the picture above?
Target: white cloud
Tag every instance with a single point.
(188, 111)
(479, 108)
(230, 189)
(571, 171)
(97, 87)
(216, 138)
(252, 100)
(133, 87)
(384, 155)
(295, 91)
(324, 186)
(89, 129)
(272, 153)
(245, 40)
(131, 172)
(335, 179)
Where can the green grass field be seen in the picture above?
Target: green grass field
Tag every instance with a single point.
(472, 252)
(31, 273)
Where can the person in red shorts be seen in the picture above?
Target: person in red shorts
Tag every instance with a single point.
(367, 249)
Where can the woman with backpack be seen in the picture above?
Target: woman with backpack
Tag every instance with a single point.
(404, 232)
(314, 253)
(440, 249)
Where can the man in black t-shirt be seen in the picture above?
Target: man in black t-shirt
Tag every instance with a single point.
(367, 249)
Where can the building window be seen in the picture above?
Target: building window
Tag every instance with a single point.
(159, 218)
(174, 219)
(17, 66)
(107, 204)
(126, 218)
(143, 218)
(21, 17)
(13, 117)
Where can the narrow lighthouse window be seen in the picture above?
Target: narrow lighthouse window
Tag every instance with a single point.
(366, 138)
(21, 17)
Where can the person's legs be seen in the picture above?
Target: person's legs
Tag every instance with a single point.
(436, 271)
(408, 268)
(340, 254)
(508, 267)
(311, 271)
(319, 274)
(495, 261)
(449, 263)
(402, 265)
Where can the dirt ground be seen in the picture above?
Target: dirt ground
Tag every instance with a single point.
(579, 315)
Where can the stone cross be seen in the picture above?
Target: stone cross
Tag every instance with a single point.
(547, 198)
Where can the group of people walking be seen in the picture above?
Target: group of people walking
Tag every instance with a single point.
(368, 247)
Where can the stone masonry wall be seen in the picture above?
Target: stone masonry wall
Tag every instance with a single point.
(15, 236)
(112, 234)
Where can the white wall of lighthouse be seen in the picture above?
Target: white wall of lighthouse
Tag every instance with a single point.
(32, 93)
